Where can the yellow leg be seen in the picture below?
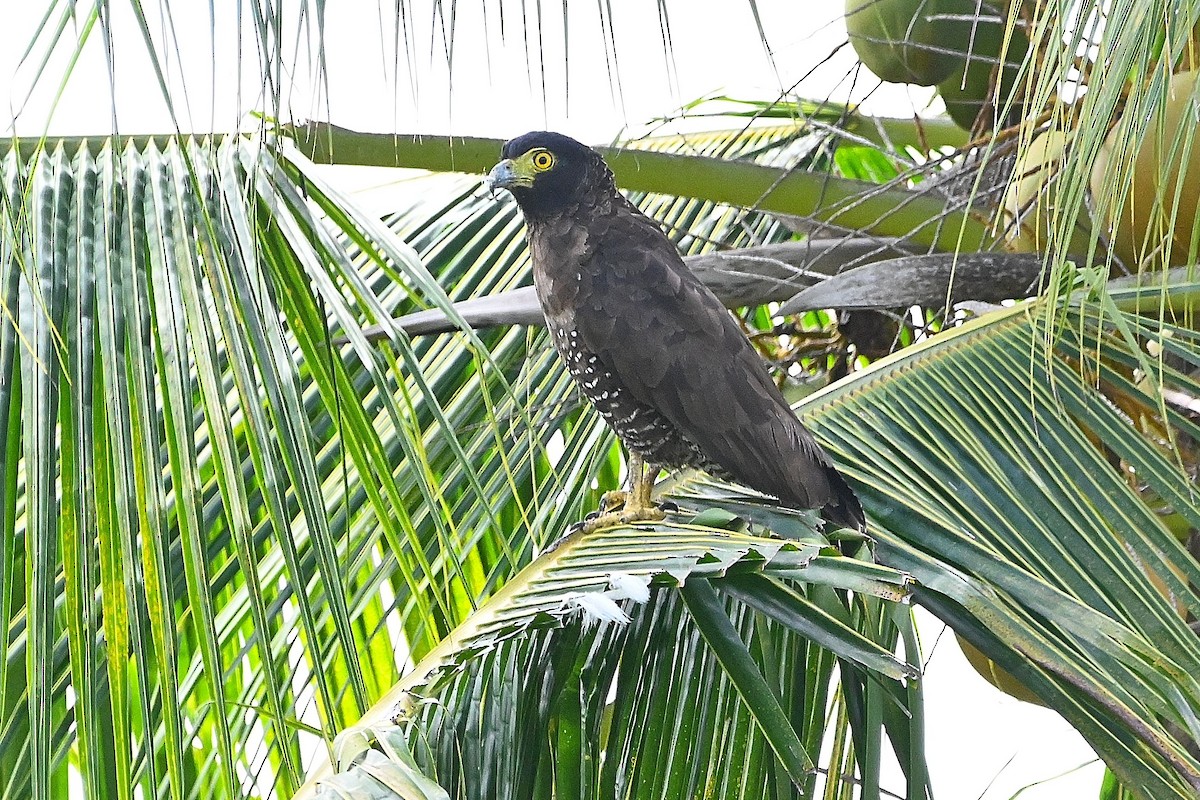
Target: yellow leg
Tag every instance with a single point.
(641, 484)
(636, 505)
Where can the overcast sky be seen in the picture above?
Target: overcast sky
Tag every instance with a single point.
(386, 75)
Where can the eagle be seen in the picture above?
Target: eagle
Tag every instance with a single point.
(652, 348)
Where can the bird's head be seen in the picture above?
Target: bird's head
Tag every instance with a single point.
(548, 173)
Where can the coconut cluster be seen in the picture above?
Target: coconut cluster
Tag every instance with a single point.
(967, 49)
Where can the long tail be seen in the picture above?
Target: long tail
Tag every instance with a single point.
(844, 511)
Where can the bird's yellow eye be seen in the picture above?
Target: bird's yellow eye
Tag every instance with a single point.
(542, 160)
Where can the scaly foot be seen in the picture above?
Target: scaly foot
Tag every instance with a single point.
(626, 508)
(622, 516)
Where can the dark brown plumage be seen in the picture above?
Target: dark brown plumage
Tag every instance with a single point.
(649, 345)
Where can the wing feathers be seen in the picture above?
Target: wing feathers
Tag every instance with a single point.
(674, 347)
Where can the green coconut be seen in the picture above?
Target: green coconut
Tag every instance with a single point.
(1033, 201)
(969, 89)
(900, 40)
(997, 675)
(1157, 226)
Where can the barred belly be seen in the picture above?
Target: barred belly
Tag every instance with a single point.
(640, 428)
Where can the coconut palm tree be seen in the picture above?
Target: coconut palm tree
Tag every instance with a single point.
(284, 501)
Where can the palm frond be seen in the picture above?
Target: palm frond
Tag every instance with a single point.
(1034, 513)
(189, 542)
(533, 697)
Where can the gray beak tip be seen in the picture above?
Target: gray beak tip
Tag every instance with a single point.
(500, 177)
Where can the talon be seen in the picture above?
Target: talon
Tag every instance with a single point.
(611, 501)
(627, 508)
(669, 506)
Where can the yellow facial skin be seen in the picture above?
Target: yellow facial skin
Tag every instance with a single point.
(522, 170)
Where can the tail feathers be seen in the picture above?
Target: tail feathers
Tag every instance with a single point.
(844, 510)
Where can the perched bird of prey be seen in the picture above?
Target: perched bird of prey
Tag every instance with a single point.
(650, 346)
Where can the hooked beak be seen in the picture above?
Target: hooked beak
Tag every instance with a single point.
(509, 173)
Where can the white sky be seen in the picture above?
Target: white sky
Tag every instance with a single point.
(973, 729)
(716, 50)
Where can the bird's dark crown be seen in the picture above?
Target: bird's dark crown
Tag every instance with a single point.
(575, 171)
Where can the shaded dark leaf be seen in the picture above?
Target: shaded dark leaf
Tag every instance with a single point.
(933, 280)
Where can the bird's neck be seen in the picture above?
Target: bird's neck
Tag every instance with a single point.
(562, 247)
(581, 210)
(568, 236)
